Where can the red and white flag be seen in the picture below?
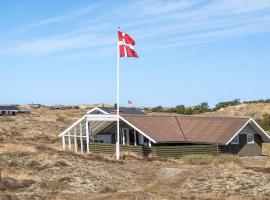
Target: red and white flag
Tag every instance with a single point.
(126, 45)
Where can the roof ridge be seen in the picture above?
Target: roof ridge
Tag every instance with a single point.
(213, 116)
(198, 116)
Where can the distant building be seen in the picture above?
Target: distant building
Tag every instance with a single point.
(35, 106)
(9, 110)
(122, 110)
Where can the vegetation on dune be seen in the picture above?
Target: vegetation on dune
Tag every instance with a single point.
(258, 101)
(225, 104)
(182, 109)
(265, 122)
(211, 160)
(203, 107)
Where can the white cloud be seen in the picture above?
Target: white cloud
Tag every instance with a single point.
(153, 24)
(57, 19)
(58, 44)
(164, 7)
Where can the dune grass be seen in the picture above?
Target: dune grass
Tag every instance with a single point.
(13, 148)
(211, 160)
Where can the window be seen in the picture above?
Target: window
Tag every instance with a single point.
(235, 140)
(250, 138)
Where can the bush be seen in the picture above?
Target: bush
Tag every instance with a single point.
(226, 104)
(258, 101)
(157, 109)
(181, 109)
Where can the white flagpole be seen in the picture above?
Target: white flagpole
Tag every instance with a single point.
(117, 149)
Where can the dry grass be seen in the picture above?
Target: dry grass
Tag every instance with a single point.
(61, 118)
(40, 126)
(128, 154)
(229, 160)
(13, 148)
(7, 119)
(32, 133)
(47, 158)
(18, 175)
(266, 149)
(256, 162)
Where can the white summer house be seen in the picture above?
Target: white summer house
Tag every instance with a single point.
(98, 125)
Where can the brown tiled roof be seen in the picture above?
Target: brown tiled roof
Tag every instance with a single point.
(191, 129)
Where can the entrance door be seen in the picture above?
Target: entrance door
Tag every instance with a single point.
(131, 137)
(125, 136)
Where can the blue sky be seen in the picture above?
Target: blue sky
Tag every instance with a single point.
(190, 51)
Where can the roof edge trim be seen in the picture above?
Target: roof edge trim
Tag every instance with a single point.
(239, 131)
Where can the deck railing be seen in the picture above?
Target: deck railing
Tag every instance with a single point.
(178, 151)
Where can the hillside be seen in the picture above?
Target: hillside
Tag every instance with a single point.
(256, 110)
(33, 166)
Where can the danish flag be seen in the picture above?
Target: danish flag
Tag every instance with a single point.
(126, 45)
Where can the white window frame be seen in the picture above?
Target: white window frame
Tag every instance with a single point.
(237, 141)
(252, 142)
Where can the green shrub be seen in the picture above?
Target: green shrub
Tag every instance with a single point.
(226, 104)
(181, 109)
(157, 109)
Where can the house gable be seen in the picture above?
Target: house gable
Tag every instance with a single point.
(242, 148)
(251, 123)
